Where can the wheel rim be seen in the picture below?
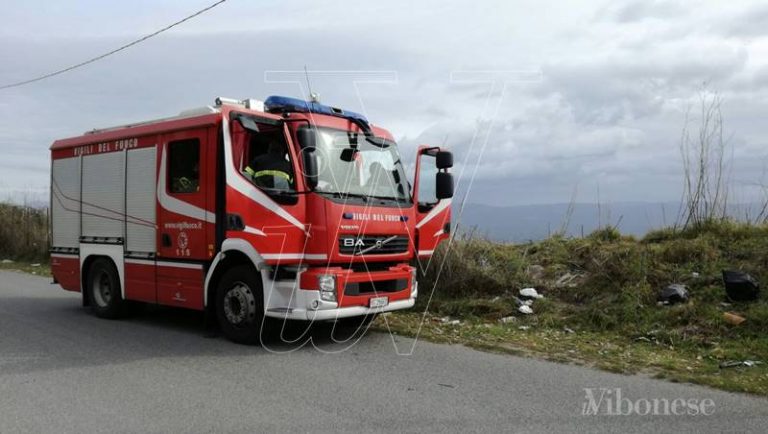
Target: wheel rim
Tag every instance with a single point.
(102, 289)
(239, 305)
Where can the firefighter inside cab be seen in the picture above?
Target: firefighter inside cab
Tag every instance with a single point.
(270, 168)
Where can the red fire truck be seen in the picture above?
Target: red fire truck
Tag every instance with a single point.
(246, 209)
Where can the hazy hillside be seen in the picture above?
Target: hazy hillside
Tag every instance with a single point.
(536, 222)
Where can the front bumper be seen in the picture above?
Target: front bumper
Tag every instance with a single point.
(302, 302)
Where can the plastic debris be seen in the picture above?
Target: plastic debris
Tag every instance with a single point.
(568, 330)
(674, 293)
(530, 293)
(508, 319)
(733, 319)
(525, 309)
(566, 280)
(34, 265)
(695, 274)
(737, 363)
(740, 286)
(524, 328)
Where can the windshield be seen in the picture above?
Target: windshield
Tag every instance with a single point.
(350, 165)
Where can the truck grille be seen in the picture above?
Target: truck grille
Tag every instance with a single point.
(372, 244)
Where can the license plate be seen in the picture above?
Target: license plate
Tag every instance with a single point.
(379, 301)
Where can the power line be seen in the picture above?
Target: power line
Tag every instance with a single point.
(61, 71)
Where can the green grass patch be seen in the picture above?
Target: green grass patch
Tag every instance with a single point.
(604, 287)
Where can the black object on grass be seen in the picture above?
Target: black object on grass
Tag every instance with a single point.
(740, 286)
(674, 293)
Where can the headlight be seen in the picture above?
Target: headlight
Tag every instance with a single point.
(327, 284)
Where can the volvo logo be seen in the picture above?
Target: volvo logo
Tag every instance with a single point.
(361, 245)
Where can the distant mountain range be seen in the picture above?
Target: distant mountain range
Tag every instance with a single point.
(534, 222)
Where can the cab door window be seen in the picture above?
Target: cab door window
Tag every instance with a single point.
(269, 166)
(184, 166)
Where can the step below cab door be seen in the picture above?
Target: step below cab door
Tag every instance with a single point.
(185, 218)
(433, 195)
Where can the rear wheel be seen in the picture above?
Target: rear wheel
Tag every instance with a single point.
(240, 305)
(103, 287)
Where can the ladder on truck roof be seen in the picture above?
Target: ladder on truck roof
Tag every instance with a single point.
(252, 104)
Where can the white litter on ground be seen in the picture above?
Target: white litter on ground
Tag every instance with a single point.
(525, 309)
(530, 292)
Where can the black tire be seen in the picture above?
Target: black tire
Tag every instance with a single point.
(240, 305)
(104, 292)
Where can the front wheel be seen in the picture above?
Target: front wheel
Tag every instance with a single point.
(240, 305)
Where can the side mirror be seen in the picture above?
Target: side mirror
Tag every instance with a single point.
(310, 167)
(444, 160)
(444, 185)
(307, 138)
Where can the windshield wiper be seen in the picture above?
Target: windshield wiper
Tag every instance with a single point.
(364, 197)
(341, 195)
(397, 199)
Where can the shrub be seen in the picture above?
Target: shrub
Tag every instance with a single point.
(23, 233)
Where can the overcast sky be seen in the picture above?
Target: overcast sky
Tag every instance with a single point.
(597, 97)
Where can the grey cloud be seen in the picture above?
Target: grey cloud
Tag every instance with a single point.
(607, 112)
(638, 10)
(750, 23)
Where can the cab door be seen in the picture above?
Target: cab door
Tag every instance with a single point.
(185, 218)
(433, 192)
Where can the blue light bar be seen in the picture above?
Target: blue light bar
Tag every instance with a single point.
(283, 104)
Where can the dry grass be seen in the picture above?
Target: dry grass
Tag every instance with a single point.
(23, 233)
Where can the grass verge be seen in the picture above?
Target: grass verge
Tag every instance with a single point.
(600, 307)
(39, 269)
(602, 350)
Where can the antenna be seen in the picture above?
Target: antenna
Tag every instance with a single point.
(312, 96)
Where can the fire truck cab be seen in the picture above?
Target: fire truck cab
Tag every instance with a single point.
(246, 209)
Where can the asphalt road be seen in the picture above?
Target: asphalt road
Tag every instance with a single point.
(62, 370)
